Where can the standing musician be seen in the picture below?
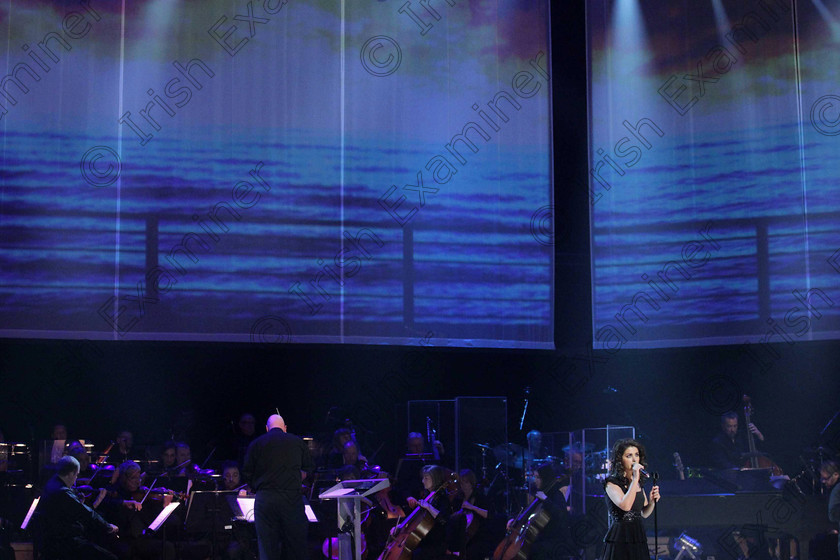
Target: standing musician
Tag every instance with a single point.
(275, 464)
(627, 503)
(433, 545)
(729, 446)
(468, 528)
(65, 521)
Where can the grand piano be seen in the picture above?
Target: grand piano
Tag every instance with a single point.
(714, 509)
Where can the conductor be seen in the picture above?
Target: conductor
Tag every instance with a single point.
(275, 465)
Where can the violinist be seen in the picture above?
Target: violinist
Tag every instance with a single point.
(126, 504)
(434, 544)
(167, 459)
(468, 528)
(232, 477)
(183, 459)
(65, 521)
(730, 445)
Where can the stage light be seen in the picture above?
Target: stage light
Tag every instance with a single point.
(685, 545)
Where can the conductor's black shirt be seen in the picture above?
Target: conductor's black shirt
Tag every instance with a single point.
(274, 462)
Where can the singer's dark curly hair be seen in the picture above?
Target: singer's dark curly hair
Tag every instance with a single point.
(616, 467)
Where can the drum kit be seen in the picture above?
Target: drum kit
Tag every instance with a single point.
(515, 466)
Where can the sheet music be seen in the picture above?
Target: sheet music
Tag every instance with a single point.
(163, 516)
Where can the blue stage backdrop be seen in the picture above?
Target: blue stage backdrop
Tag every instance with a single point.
(714, 172)
(273, 171)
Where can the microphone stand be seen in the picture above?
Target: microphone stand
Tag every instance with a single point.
(655, 522)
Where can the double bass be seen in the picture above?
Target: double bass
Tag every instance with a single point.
(408, 535)
(756, 459)
(524, 530)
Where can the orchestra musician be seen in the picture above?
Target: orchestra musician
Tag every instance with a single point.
(124, 505)
(434, 545)
(351, 456)
(65, 521)
(729, 446)
(58, 432)
(183, 459)
(555, 538)
(168, 458)
(231, 477)
(627, 503)
(335, 458)
(275, 464)
(124, 443)
(468, 528)
(409, 470)
(829, 477)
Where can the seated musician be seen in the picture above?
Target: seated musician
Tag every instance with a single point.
(167, 458)
(124, 447)
(65, 521)
(555, 538)
(468, 528)
(232, 477)
(125, 507)
(335, 458)
(408, 472)
(729, 446)
(434, 544)
(183, 458)
(351, 456)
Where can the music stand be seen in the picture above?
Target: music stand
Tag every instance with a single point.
(348, 495)
(207, 512)
(160, 521)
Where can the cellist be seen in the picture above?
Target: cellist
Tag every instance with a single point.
(433, 545)
(555, 538)
(469, 527)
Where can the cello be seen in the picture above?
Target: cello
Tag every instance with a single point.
(756, 459)
(414, 528)
(524, 531)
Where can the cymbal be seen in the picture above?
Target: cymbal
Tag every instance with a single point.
(512, 455)
(819, 450)
(578, 447)
(482, 445)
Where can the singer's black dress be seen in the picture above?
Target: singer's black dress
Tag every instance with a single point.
(625, 539)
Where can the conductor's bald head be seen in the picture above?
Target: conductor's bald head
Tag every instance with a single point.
(275, 421)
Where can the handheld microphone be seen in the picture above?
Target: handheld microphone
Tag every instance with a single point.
(642, 470)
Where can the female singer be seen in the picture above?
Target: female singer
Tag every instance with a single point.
(627, 503)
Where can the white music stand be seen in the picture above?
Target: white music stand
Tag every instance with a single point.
(348, 495)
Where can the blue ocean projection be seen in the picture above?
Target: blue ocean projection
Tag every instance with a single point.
(318, 171)
(713, 173)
